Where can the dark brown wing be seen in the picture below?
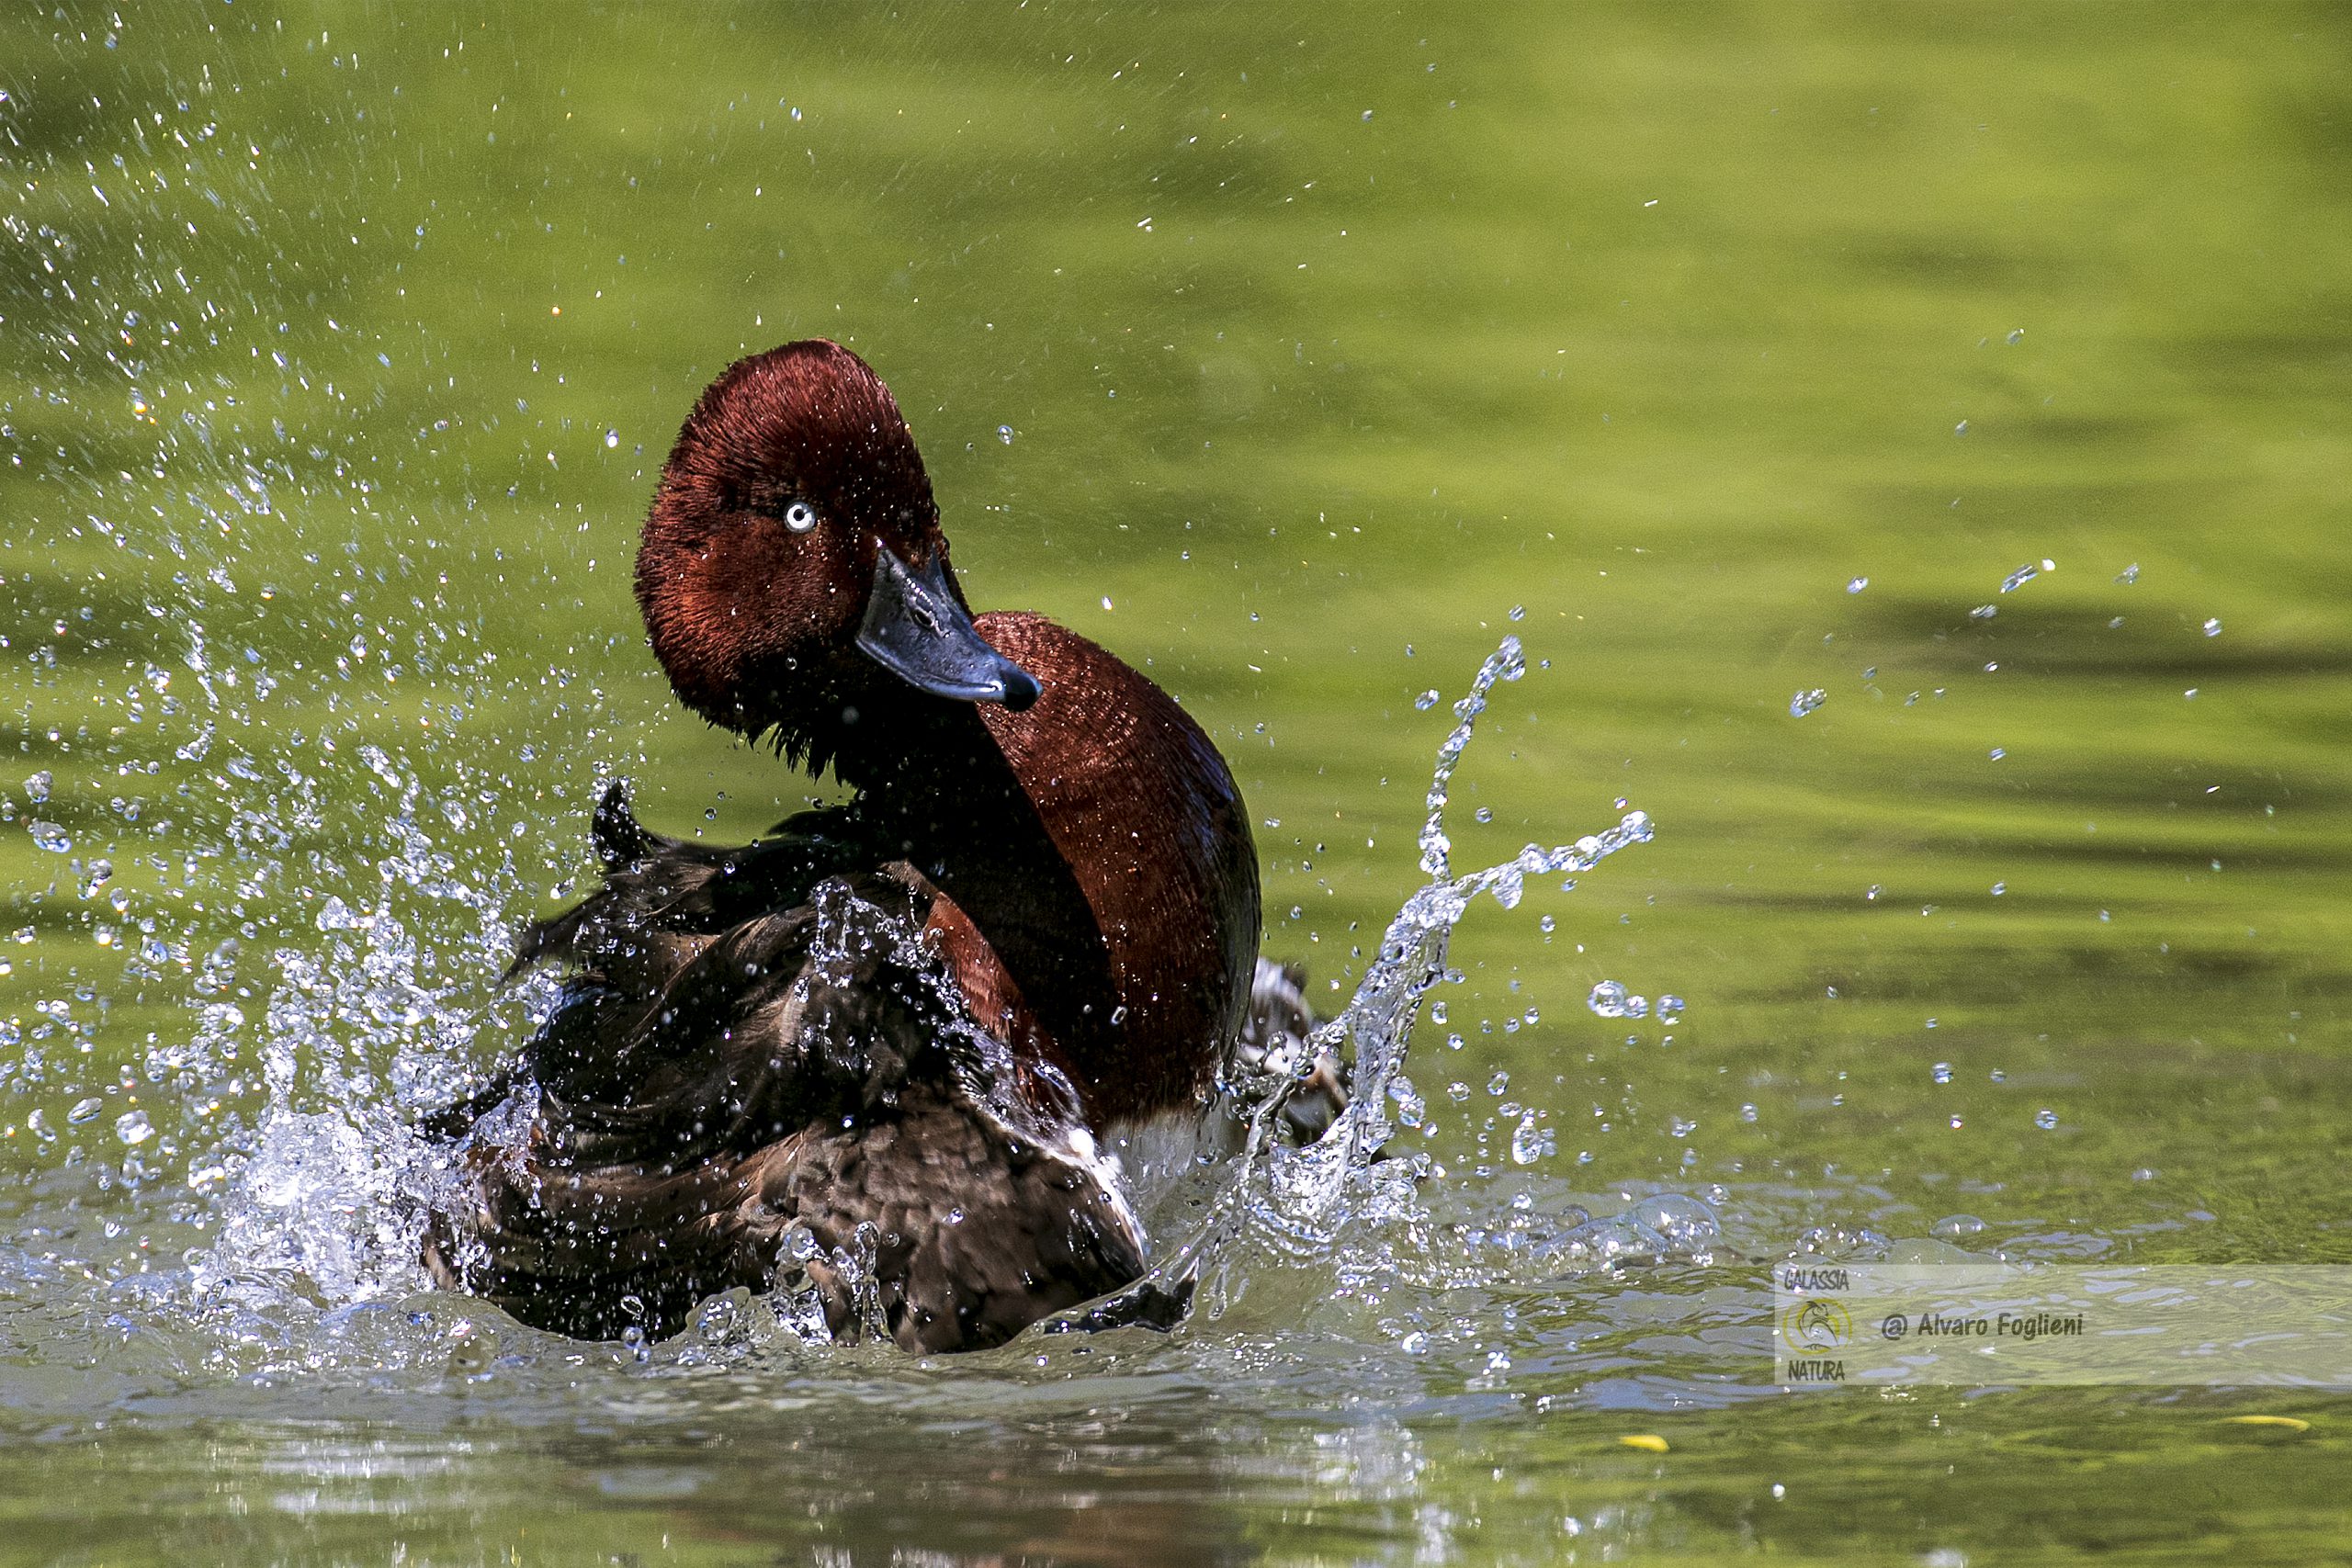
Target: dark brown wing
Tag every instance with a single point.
(727, 1074)
(1275, 1038)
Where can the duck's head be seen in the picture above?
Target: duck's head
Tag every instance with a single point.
(793, 575)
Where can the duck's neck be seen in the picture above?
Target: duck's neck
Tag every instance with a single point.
(1103, 888)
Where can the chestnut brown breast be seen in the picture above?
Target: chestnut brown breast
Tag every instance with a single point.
(1101, 899)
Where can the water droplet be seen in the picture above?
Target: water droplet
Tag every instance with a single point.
(2045, 1119)
(133, 1128)
(612, 439)
(1999, 888)
(1857, 584)
(1941, 1072)
(335, 915)
(2022, 576)
(2213, 628)
(1499, 1083)
(2017, 334)
(86, 1110)
(37, 787)
(1609, 999)
(1426, 701)
(1804, 703)
(2129, 575)
(1527, 1141)
(1670, 1008)
(1961, 429)
(48, 835)
(1519, 612)
(1485, 814)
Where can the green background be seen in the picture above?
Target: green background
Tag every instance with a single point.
(1298, 359)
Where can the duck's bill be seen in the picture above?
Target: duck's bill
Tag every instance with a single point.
(915, 628)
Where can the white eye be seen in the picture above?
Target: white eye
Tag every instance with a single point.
(801, 517)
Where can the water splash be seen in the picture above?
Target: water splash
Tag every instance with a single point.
(1300, 1201)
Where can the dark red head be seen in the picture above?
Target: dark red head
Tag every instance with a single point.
(792, 571)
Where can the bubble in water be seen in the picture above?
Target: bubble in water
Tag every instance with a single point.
(1670, 1008)
(612, 439)
(48, 835)
(1004, 434)
(37, 786)
(1485, 814)
(1953, 1227)
(133, 1128)
(1427, 700)
(2045, 1119)
(1804, 703)
(1498, 1084)
(1857, 584)
(86, 1110)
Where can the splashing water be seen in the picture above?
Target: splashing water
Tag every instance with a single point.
(1301, 1202)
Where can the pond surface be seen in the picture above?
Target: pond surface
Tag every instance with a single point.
(1909, 442)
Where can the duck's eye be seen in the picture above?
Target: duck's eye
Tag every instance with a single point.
(801, 517)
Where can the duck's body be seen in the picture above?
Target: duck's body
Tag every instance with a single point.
(880, 1053)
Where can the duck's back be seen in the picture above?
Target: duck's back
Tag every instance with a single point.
(755, 1076)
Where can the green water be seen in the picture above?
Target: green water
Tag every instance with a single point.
(1298, 359)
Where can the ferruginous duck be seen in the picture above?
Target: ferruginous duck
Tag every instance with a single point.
(882, 1055)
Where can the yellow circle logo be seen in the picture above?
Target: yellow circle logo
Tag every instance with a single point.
(1812, 1326)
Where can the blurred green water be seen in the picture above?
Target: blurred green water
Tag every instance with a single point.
(1291, 357)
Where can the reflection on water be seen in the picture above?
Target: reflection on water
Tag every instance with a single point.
(1716, 356)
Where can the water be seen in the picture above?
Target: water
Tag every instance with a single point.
(1715, 356)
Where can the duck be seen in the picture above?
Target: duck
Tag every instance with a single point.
(897, 1060)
